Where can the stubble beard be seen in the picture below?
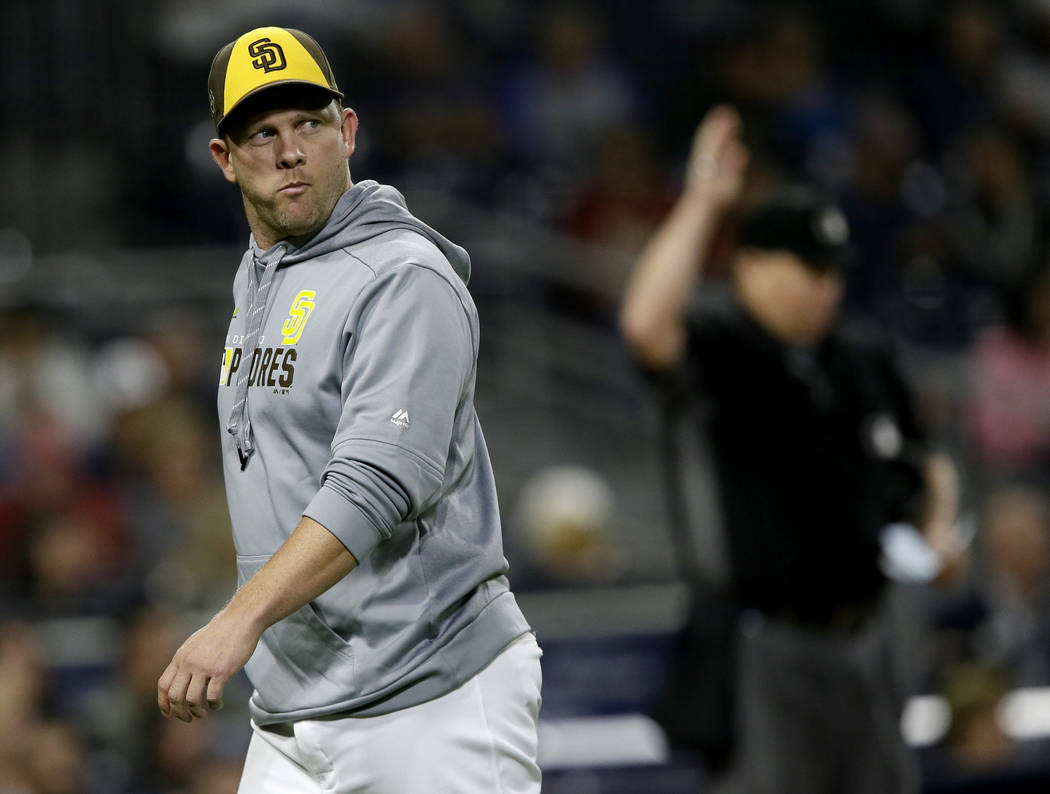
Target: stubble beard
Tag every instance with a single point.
(281, 222)
(281, 217)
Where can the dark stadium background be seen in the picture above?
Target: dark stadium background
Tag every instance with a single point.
(548, 138)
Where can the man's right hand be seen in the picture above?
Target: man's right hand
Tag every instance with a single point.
(194, 681)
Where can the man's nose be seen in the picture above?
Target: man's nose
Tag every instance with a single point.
(289, 153)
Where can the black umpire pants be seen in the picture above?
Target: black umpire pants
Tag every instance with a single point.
(818, 712)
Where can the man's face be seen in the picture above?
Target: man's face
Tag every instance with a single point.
(290, 162)
(798, 303)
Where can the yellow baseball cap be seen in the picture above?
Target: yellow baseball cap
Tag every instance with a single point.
(263, 58)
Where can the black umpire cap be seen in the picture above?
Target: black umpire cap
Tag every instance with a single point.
(803, 222)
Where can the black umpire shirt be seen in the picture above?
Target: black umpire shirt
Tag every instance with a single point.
(814, 450)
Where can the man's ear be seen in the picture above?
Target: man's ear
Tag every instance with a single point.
(220, 153)
(349, 129)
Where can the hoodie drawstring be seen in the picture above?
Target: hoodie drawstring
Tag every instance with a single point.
(239, 425)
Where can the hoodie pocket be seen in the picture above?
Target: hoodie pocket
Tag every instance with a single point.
(300, 661)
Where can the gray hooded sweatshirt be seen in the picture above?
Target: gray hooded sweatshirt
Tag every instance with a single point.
(356, 353)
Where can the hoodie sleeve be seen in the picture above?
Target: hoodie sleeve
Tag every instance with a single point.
(409, 357)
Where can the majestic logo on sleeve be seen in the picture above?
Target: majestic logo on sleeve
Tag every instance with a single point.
(302, 306)
(267, 55)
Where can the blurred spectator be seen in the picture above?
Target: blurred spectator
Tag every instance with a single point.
(1002, 616)
(812, 114)
(181, 749)
(46, 372)
(626, 196)
(442, 129)
(1026, 73)
(22, 688)
(977, 754)
(54, 758)
(565, 96)
(956, 89)
(216, 776)
(616, 210)
(63, 566)
(975, 740)
(1008, 412)
(884, 145)
(169, 455)
(64, 529)
(120, 715)
(996, 225)
(129, 372)
(1017, 537)
(177, 339)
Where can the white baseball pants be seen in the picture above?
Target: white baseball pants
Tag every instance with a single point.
(480, 738)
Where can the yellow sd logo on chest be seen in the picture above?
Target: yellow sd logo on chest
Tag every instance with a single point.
(293, 327)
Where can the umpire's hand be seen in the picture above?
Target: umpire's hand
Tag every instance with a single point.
(718, 159)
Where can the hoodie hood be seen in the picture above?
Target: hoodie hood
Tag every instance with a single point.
(367, 210)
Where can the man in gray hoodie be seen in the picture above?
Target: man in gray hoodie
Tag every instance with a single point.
(373, 616)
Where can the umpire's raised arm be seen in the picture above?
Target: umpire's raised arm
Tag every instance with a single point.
(652, 313)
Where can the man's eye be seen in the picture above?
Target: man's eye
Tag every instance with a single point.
(260, 136)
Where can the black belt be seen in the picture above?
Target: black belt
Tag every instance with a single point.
(843, 619)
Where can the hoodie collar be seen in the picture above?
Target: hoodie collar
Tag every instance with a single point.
(366, 210)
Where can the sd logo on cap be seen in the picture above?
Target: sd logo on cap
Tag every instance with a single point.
(268, 56)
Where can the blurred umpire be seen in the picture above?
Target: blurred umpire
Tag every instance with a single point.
(815, 450)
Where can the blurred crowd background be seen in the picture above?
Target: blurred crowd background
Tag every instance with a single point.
(548, 138)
